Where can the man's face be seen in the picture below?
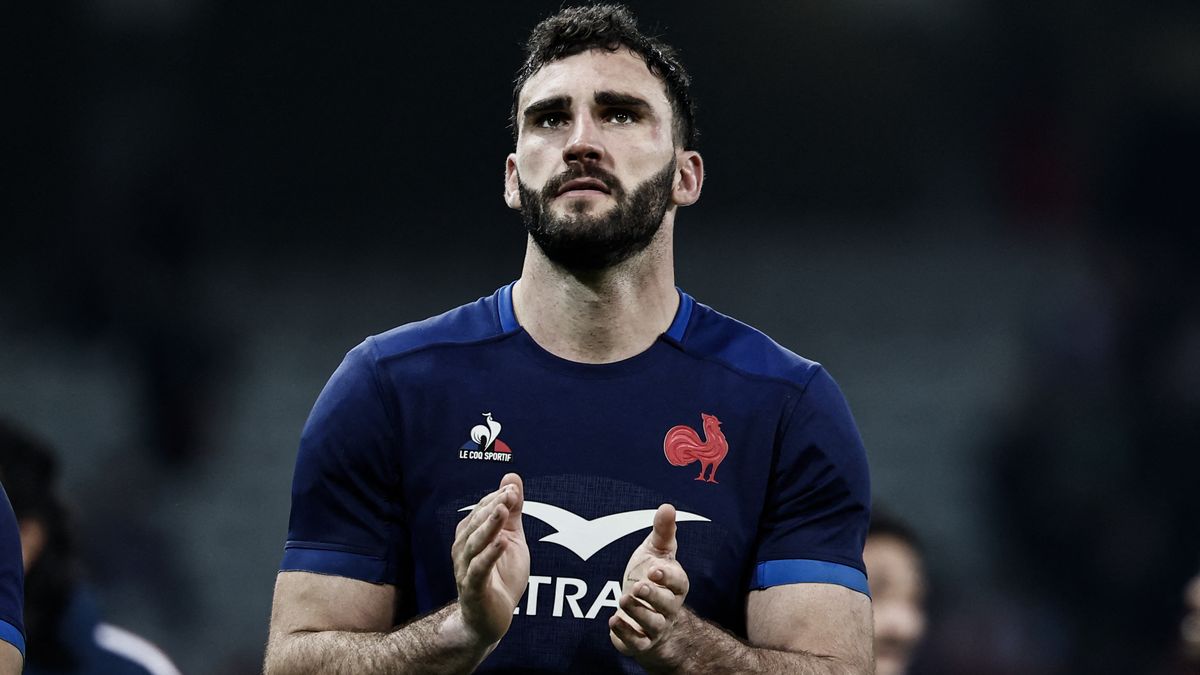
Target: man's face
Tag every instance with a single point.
(1190, 628)
(596, 168)
(898, 600)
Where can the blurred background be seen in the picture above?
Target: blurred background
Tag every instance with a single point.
(979, 215)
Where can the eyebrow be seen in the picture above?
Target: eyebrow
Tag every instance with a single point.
(621, 99)
(546, 104)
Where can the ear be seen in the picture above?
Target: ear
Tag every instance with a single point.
(689, 178)
(512, 195)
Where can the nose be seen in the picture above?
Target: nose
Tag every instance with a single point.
(899, 621)
(584, 144)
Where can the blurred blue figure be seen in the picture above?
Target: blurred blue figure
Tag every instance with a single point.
(64, 631)
(12, 585)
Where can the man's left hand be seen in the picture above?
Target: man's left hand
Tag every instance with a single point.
(654, 586)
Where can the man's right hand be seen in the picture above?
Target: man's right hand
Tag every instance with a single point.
(491, 561)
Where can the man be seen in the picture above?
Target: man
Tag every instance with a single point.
(605, 403)
(1189, 628)
(893, 558)
(12, 590)
(66, 635)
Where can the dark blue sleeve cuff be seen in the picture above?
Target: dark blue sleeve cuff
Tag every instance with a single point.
(780, 572)
(10, 634)
(304, 557)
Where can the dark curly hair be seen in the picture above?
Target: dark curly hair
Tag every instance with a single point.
(610, 27)
(885, 523)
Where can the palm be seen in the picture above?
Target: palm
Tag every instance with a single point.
(507, 581)
(491, 560)
(635, 569)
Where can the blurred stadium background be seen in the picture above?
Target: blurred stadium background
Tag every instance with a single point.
(979, 215)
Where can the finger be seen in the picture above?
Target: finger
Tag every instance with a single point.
(647, 617)
(486, 532)
(512, 479)
(661, 599)
(474, 510)
(620, 644)
(480, 511)
(670, 577)
(625, 637)
(482, 564)
(662, 538)
(617, 642)
(467, 526)
(515, 505)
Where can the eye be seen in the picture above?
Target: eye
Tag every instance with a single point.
(622, 117)
(551, 120)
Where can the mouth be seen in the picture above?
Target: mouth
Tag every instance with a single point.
(582, 187)
(893, 652)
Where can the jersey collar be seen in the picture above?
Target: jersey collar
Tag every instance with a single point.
(509, 323)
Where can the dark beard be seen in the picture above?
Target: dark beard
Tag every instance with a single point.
(584, 243)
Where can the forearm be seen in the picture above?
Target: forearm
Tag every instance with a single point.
(697, 646)
(438, 643)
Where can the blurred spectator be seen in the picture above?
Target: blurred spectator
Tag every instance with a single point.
(1189, 629)
(62, 622)
(1093, 475)
(897, 577)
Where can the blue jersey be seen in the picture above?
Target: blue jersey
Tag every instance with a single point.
(12, 578)
(93, 647)
(753, 445)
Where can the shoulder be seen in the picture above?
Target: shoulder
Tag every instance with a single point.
(470, 323)
(714, 336)
(357, 391)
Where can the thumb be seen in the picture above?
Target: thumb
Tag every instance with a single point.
(662, 537)
(514, 512)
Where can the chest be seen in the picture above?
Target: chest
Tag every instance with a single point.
(597, 456)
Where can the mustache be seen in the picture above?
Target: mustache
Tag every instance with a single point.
(550, 190)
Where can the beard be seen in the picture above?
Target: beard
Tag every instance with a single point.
(582, 242)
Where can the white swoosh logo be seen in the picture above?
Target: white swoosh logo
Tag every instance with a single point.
(585, 537)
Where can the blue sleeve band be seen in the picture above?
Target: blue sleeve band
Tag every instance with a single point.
(298, 558)
(780, 572)
(10, 634)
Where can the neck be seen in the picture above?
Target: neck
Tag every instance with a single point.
(598, 317)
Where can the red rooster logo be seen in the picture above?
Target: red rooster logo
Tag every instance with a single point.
(682, 446)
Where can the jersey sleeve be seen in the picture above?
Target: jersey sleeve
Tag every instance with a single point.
(345, 500)
(818, 505)
(12, 575)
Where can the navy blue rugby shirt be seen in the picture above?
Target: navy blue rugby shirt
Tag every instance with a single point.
(12, 578)
(753, 445)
